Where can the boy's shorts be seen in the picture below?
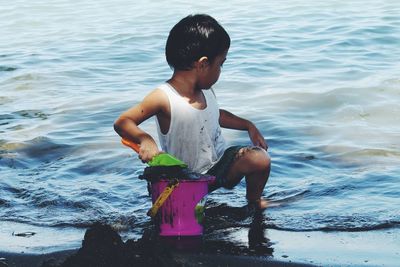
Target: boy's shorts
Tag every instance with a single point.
(221, 168)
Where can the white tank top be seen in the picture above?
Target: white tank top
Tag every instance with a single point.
(194, 135)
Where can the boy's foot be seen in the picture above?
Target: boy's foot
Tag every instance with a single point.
(260, 204)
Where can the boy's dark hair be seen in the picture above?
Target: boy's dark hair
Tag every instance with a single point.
(193, 37)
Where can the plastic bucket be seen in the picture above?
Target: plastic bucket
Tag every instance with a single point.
(183, 212)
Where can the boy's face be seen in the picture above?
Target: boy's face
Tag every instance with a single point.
(211, 72)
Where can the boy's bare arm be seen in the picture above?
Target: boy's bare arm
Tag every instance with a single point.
(127, 124)
(231, 121)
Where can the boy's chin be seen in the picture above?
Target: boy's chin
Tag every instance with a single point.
(207, 87)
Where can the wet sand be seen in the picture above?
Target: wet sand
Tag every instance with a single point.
(240, 246)
(181, 259)
(102, 246)
(33, 260)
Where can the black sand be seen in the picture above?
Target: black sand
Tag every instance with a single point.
(103, 247)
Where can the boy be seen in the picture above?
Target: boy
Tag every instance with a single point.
(187, 115)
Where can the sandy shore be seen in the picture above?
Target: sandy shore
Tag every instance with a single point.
(33, 260)
(102, 246)
(181, 259)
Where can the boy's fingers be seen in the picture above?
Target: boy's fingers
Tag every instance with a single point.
(263, 144)
(143, 156)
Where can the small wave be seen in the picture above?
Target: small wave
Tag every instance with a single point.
(27, 77)
(5, 68)
(285, 197)
(321, 222)
(368, 152)
(77, 224)
(72, 211)
(43, 149)
(120, 222)
(31, 114)
(4, 203)
(222, 216)
(6, 117)
(352, 156)
(43, 198)
(5, 100)
(337, 228)
(10, 189)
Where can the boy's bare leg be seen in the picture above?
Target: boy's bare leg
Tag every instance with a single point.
(255, 164)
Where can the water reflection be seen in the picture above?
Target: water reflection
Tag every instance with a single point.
(258, 240)
(228, 230)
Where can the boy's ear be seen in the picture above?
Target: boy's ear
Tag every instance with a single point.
(202, 62)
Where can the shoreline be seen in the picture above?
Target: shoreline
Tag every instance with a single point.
(103, 246)
(279, 248)
(14, 259)
(182, 259)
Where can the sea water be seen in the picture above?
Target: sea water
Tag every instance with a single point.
(321, 80)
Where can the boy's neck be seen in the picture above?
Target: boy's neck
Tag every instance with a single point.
(185, 82)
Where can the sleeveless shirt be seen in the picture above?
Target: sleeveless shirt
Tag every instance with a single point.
(194, 135)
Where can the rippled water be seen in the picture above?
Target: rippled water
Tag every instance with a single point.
(321, 81)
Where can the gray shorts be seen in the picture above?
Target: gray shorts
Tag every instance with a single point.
(222, 167)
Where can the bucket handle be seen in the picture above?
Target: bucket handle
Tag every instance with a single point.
(162, 198)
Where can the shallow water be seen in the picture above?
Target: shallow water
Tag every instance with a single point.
(321, 81)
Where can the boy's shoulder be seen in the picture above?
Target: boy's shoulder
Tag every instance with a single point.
(156, 93)
(157, 97)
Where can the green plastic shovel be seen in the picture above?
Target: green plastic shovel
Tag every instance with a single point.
(162, 159)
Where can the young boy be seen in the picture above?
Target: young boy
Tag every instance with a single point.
(187, 115)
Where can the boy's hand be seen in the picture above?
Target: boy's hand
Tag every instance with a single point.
(231, 121)
(148, 149)
(256, 137)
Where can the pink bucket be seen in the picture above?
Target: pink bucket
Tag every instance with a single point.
(183, 211)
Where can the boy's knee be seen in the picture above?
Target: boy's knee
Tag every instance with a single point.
(256, 157)
(263, 160)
